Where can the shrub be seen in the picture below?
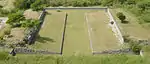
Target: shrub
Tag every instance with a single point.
(30, 23)
(7, 30)
(15, 18)
(58, 10)
(121, 16)
(3, 12)
(135, 47)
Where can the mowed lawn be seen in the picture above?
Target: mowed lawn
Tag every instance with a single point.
(76, 38)
(51, 32)
(102, 37)
(133, 28)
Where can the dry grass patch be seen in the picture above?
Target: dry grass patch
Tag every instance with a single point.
(29, 14)
(17, 35)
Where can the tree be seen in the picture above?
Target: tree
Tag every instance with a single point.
(39, 4)
(15, 18)
(121, 16)
(23, 4)
(107, 2)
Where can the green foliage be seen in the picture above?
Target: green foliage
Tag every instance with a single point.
(3, 12)
(135, 47)
(5, 31)
(79, 59)
(30, 23)
(145, 18)
(58, 10)
(23, 4)
(107, 2)
(39, 5)
(143, 5)
(3, 55)
(15, 18)
(121, 16)
(137, 7)
(34, 4)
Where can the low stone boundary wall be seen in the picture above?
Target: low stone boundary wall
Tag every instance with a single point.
(32, 51)
(115, 27)
(123, 51)
(79, 8)
(32, 36)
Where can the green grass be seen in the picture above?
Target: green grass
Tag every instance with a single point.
(76, 38)
(102, 36)
(101, 59)
(51, 32)
(133, 28)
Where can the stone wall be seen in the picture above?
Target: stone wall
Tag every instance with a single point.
(35, 30)
(32, 51)
(79, 8)
(115, 27)
(119, 51)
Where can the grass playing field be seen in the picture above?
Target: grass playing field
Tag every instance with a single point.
(102, 36)
(77, 38)
(51, 32)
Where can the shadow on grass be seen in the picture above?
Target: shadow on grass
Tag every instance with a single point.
(44, 39)
(125, 22)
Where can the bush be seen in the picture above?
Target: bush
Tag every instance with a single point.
(15, 18)
(30, 23)
(7, 30)
(121, 16)
(135, 47)
(3, 12)
(58, 10)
